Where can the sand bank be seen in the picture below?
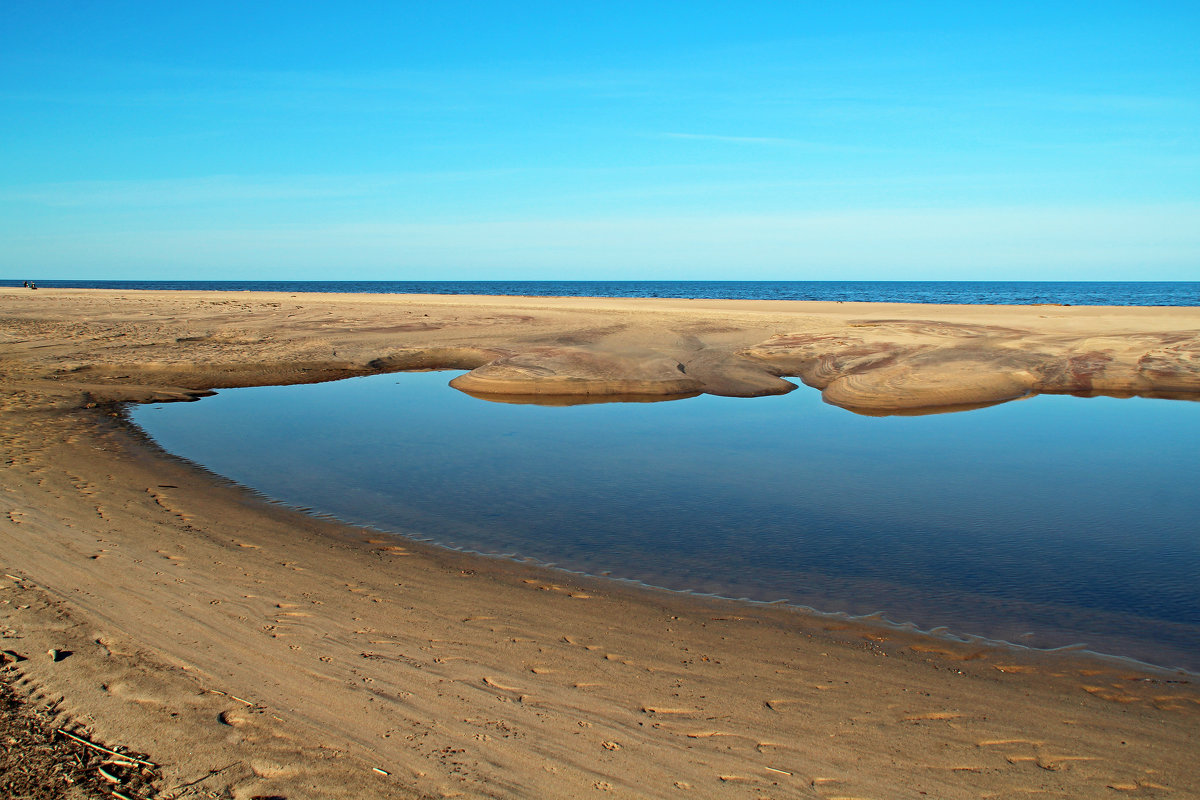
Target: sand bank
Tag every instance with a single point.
(255, 651)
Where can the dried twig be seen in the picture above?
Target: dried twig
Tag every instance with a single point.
(211, 773)
(94, 746)
(231, 697)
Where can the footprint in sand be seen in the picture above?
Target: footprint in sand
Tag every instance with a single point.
(932, 715)
(946, 652)
(272, 769)
(140, 689)
(1006, 742)
(1114, 694)
(496, 685)
(1137, 786)
(234, 719)
(665, 710)
(1029, 751)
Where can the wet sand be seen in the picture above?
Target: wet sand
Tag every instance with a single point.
(253, 650)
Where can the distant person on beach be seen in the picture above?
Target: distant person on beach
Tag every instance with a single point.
(26, 284)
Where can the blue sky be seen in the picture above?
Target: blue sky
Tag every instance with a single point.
(518, 140)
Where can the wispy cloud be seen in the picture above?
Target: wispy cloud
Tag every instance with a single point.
(223, 189)
(185, 191)
(1099, 102)
(711, 137)
(767, 141)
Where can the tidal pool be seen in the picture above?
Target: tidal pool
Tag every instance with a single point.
(1048, 522)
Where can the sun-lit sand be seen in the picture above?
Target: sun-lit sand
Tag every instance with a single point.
(256, 651)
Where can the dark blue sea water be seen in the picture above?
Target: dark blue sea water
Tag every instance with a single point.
(1076, 293)
(1048, 522)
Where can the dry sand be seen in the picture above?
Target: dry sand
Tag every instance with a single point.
(254, 651)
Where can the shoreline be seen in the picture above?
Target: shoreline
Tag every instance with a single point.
(935, 292)
(353, 656)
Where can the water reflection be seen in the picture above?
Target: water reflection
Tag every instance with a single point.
(560, 400)
(1047, 521)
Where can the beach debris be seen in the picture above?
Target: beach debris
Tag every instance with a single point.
(232, 697)
(36, 760)
(932, 715)
(98, 748)
(380, 771)
(206, 776)
(780, 771)
(57, 655)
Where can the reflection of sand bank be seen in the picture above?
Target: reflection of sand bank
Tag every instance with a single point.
(255, 650)
(562, 400)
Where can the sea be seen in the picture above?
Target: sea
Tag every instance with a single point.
(1072, 293)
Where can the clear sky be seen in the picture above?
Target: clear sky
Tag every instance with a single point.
(607, 140)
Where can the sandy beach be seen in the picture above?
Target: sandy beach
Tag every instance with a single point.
(252, 651)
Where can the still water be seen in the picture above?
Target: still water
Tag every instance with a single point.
(1049, 522)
